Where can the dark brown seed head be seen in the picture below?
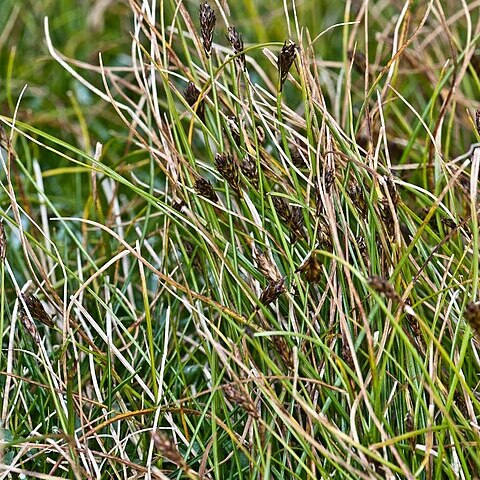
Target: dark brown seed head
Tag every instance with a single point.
(297, 158)
(204, 188)
(3, 243)
(347, 355)
(167, 449)
(236, 41)
(239, 396)
(285, 60)
(392, 189)
(249, 170)
(296, 222)
(283, 350)
(36, 309)
(477, 120)
(207, 26)
(472, 316)
(29, 326)
(381, 285)
(178, 204)
(229, 170)
(359, 60)
(266, 266)
(234, 128)
(282, 208)
(311, 269)
(292, 216)
(329, 178)
(272, 291)
(324, 236)
(192, 94)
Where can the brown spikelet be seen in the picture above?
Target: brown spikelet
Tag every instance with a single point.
(29, 326)
(239, 396)
(381, 285)
(266, 266)
(207, 26)
(192, 94)
(296, 223)
(272, 291)
(229, 170)
(410, 427)
(472, 316)
(36, 309)
(234, 128)
(329, 179)
(285, 60)
(260, 134)
(3, 243)
(311, 269)
(477, 120)
(249, 170)
(359, 60)
(347, 355)
(167, 449)
(324, 236)
(392, 189)
(292, 216)
(236, 41)
(296, 156)
(282, 208)
(283, 350)
(204, 188)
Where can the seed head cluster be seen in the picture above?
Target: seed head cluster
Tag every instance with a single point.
(204, 188)
(192, 94)
(285, 60)
(228, 169)
(236, 41)
(207, 26)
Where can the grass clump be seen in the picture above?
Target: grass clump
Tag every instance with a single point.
(244, 245)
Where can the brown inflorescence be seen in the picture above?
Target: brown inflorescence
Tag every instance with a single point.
(36, 309)
(229, 170)
(236, 41)
(285, 60)
(272, 291)
(311, 269)
(249, 170)
(238, 395)
(207, 26)
(192, 94)
(381, 285)
(167, 449)
(292, 216)
(204, 188)
(472, 316)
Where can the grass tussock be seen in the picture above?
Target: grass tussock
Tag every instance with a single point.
(242, 242)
